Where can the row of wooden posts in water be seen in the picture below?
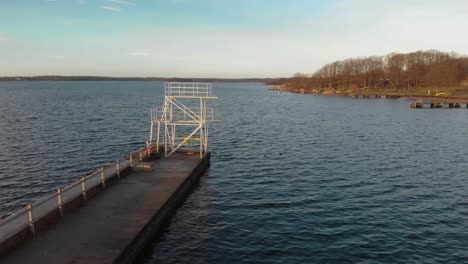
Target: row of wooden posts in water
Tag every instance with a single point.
(438, 104)
(368, 96)
(415, 104)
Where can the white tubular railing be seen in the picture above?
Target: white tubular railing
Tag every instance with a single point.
(183, 89)
(156, 114)
(31, 213)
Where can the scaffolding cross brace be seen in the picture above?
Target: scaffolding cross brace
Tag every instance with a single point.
(182, 122)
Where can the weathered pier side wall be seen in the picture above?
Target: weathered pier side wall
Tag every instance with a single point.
(115, 225)
(150, 231)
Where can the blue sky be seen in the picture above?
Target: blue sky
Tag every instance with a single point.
(217, 38)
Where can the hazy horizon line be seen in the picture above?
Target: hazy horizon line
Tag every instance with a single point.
(134, 77)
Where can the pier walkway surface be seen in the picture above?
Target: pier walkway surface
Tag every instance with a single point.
(114, 226)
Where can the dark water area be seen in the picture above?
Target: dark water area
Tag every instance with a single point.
(294, 178)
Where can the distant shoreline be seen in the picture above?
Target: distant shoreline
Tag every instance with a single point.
(146, 79)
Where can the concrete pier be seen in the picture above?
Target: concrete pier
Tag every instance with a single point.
(118, 222)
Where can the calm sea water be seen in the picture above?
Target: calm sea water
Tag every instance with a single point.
(294, 178)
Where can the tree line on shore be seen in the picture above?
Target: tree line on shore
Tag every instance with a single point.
(418, 69)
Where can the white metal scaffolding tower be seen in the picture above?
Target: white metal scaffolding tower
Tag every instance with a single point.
(183, 120)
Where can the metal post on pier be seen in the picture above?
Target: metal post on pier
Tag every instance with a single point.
(130, 158)
(59, 199)
(30, 219)
(103, 181)
(157, 139)
(118, 168)
(83, 187)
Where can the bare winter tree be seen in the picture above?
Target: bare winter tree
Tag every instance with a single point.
(418, 69)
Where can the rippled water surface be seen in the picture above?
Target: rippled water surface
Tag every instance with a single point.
(294, 178)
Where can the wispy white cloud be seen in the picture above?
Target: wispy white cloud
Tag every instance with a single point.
(121, 2)
(111, 8)
(139, 54)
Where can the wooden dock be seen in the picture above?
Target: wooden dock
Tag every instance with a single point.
(431, 102)
(438, 105)
(374, 96)
(107, 217)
